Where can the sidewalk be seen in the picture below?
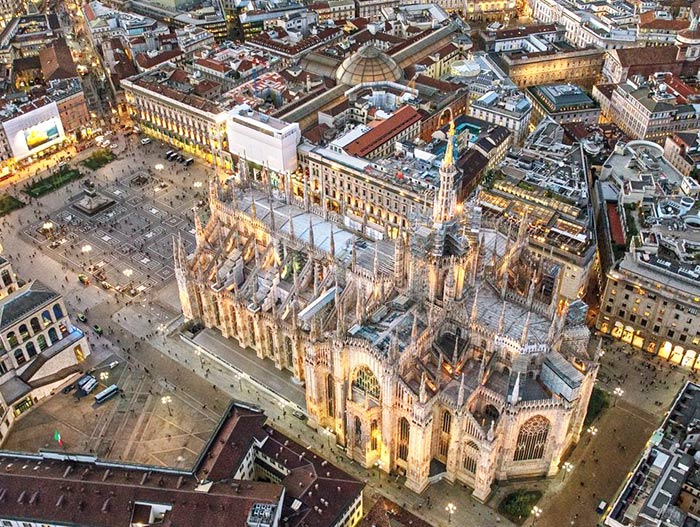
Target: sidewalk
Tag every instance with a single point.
(245, 361)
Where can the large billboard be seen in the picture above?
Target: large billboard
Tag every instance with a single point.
(34, 131)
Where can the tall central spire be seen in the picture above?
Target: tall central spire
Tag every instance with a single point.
(446, 199)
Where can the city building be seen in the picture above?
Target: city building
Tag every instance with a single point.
(652, 108)
(248, 474)
(263, 140)
(682, 151)
(623, 64)
(166, 106)
(544, 185)
(652, 297)
(663, 486)
(40, 347)
(191, 39)
(441, 354)
(563, 103)
(26, 35)
(507, 108)
(8, 279)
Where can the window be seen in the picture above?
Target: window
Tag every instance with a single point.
(374, 434)
(358, 431)
(366, 382)
(532, 439)
(404, 436)
(471, 455)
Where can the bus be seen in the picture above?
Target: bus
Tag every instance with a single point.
(189, 161)
(89, 386)
(106, 394)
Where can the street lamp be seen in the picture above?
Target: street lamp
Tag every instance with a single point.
(104, 375)
(238, 378)
(618, 392)
(128, 273)
(536, 512)
(86, 248)
(166, 400)
(328, 433)
(567, 467)
(592, 430)
(379, 466)
(450, 511)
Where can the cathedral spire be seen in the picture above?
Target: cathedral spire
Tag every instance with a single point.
(414, 329)
(502, 319)
(272, 212)
(291, 223)
(359, 304)
(198, 229)
(460, 396)
(455, 351)
(253, 209)
(332, 243)
(446, 199)
(423, 394)
(523, 338)
(475, 304)
(515, 395)
(340, 312)
(311, 231)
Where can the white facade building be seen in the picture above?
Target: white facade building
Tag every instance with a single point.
(262, 139)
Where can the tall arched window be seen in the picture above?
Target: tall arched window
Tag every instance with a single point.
(330, 395)
(24, 332)
(31, 349)
(234, 322)
(41, 340)
(446, 426)
(366, 382)
(6, 278)
(289, 349)
(404, 437)
(12, 339)
(20, 357)
(374, 434)
(532, 439)
(57, 311)
(46, 317)
(251, 331)
(471, 457)
(53, 336)
(358, 431)
(36, 327)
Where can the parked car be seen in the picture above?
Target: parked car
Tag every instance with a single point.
(82, 317)
(146, 141)
(84, 279)
(97, 329)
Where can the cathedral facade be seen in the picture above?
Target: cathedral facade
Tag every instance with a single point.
(438, 354)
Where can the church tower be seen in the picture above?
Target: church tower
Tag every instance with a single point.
(446, 200)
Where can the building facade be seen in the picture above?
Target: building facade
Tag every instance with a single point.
(39, 347)
(185, 121)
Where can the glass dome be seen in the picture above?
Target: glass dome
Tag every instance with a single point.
(368, 64)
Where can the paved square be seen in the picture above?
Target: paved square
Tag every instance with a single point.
(129, 243)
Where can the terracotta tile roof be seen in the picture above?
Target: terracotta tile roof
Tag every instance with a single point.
(146, 62)
(405, 117)
(386, 513)
(647, 55)
(444, 86)
(648, 20)
(212, 65)
(57, 61)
